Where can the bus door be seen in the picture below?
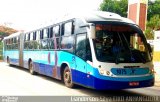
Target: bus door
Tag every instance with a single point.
(80, 60)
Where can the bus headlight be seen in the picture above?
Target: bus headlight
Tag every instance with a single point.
(108, 72)
(102, 71)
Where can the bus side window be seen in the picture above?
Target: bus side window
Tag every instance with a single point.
(34, 35)
(16, 45)
(41, 34)
(34, 40)
(44, 40)
(26, 44)
(37, 35)
(54, 34)
(45, 33)
(28, 37)
(56, 31)
(12, 43)
(31, 36)
(37, 39)
(51, 32)
(18, 39)
(81, 46)
(7, 42)
(68, 28)
(31, 45)
(67, 39)
(50, 40)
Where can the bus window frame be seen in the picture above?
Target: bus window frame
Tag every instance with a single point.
(63, 35)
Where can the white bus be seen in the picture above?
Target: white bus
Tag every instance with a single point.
(99, 50)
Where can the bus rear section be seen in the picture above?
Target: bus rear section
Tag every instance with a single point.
(12, 49)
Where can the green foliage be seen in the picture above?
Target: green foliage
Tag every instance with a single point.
(153, 17)
(149, 33)
(154, 22)
(121, 6)
(153, 8)
(2, 33)
(117, 6)
(152, 25)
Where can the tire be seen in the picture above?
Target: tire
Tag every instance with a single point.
(31, 70)
(67, 78)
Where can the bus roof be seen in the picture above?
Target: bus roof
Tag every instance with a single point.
(12, 35)
(93, 16)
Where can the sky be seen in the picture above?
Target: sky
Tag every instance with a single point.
(29, 14)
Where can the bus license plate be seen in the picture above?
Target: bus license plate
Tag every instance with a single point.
(133, 83)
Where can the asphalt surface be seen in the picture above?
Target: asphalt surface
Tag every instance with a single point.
(16, 81)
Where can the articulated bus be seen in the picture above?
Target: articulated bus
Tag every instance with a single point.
(98, 50)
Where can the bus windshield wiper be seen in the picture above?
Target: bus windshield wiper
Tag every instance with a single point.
(131, 55)
(117, 56)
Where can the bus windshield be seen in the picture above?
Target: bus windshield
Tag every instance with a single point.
(120, 44)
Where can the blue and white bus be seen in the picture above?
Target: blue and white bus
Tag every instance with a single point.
(98, 50)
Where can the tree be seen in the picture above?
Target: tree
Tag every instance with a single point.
(117, 6)
(153, 14)
(149, 33)
(153, 18)
(5, 31)
(154, 22)
(152, 25)
(153, 8)
(120, 7)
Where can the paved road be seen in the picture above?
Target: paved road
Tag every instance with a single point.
(17, 81)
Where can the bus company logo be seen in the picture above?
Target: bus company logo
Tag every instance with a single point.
(9, 99)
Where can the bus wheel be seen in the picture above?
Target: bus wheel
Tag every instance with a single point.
(67, 78)
(31, 70)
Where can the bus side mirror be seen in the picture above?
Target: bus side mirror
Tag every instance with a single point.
(149, 47)
(92, 28)
(92, 31)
